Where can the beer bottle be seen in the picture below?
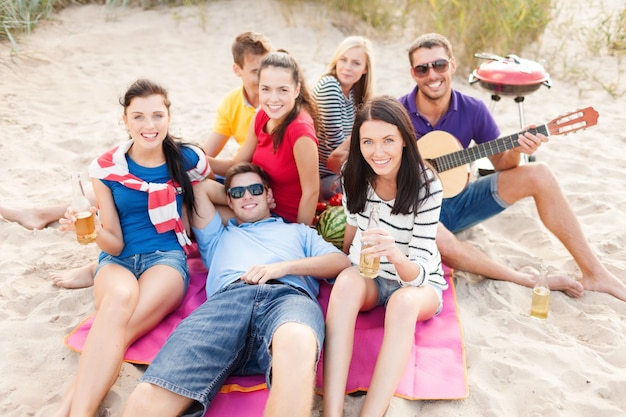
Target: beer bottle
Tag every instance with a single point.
(85, 222)
(369, 265)
(541, 295)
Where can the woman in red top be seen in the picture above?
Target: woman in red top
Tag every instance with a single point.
(282, 139)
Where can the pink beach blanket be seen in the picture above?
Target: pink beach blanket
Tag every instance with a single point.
(436, 368)
(145, 349)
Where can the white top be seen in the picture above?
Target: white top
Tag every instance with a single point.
(414, 234)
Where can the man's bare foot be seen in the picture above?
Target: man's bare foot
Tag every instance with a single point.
(81, 277)
(605, 282)
(568, 285)
(30, 218)
(528, 277)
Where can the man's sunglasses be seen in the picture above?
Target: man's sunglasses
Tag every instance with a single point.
(254, 189)
(440, 66)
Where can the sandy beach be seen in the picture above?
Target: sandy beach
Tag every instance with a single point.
(59, 110)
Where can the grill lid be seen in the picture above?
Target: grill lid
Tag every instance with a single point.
(511, 70)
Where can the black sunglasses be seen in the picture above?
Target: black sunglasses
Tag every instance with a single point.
(254, 189)
(440, 66)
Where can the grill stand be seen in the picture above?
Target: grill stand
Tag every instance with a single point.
(522, 120)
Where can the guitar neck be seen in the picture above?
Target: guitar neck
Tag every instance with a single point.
(474, 153)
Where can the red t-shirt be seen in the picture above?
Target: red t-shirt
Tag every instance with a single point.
(281, 166)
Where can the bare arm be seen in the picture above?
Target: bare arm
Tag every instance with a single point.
(337, 157)
(321, 267)
(528, 144)
(306, 156)
(109, 238)
(348, 237)
(220, 166)
(214, 144)
(205, 209)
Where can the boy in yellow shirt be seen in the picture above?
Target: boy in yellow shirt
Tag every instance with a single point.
(239, 106)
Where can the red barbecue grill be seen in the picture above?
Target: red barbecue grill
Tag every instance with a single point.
(509, 76)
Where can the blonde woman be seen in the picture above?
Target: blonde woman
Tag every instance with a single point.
(346, 85)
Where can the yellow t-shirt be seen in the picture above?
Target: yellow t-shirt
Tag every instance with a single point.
(234, 116)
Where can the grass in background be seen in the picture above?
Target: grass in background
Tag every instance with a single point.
(497, 26)
(21, 16)
(501, 27)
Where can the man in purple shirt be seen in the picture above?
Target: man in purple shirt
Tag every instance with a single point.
(434, 105)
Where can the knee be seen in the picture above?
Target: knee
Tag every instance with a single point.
(403, 301)
(138, 403)
(294, 341)
(152, 400)
(540, 174)
(348, 290)
(348, 281)
(411, 303)
(119, 300)
(448, 244)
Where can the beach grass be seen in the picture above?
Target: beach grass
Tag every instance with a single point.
(496, 26)
(21, 16)
(499, 27)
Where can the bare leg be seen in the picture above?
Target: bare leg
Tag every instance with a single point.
(81, 277)
(350, 293)
(39, 217)
(537, 180)
(294, 349)
(126, 309)
(405, 307)
(33, 218)
(151, 400)
(466, 257)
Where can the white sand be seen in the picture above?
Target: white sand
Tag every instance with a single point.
(58, 110)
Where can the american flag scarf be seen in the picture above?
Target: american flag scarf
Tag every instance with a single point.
(162, 207)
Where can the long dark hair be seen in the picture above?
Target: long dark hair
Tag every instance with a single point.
(412, 175)
(282, 59)
(171, 145)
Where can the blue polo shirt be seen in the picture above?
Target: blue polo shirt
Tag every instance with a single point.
(229, 251)
(467, 118)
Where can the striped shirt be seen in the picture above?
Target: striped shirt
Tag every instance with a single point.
(414, 234)
(336, 115)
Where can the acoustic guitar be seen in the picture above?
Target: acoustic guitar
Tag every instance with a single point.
(444, 152)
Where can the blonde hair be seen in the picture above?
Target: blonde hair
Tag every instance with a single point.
(364, 88)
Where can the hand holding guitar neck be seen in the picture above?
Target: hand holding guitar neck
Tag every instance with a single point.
(444, 152)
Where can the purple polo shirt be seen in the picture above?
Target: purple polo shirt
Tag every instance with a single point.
(467, 118)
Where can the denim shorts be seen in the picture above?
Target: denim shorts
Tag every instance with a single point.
(476, 203)
(140, 263)
(386, 287)
(230, 334)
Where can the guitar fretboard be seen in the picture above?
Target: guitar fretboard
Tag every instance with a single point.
(474, 153)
